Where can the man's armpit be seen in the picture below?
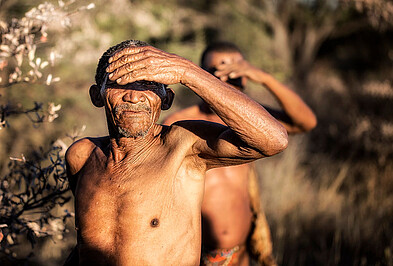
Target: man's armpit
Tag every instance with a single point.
(229, 150)
(217, 144)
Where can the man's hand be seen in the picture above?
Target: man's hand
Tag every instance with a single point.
(147, 63)
(239, 69)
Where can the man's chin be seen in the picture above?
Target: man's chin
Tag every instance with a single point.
(127, 133)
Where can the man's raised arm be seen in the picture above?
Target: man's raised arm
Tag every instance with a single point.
(296, 116)
(255, 127)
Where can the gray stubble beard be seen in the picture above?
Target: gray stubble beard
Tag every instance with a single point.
(126, 133)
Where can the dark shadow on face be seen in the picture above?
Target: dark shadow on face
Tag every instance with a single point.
(237, 82)
(165, 93)
(143, 85)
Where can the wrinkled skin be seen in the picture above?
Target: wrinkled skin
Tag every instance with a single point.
(138, 199)
(226, 213)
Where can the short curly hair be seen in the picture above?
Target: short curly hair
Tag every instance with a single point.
(103, 62)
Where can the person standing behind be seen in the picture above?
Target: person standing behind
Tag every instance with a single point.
(231, 210)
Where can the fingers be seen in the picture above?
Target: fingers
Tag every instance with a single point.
(129, 78)
(131, 54)
(129, 60)
(125, 59)
(232, 70)
(146, 63)
(126, 69)
(228, 68)
(126, 51)
(228, 73)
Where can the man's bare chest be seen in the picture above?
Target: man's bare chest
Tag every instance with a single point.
(129, 179)
(123, 196)
(138, 195)
(160, 179)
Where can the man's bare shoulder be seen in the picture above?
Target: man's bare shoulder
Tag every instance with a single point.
(80, 151)
(189, 113)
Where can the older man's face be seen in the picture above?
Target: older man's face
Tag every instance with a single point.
(133, 108)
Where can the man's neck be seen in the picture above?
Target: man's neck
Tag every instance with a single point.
(120, 147)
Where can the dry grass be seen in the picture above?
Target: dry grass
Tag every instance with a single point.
(339, 215)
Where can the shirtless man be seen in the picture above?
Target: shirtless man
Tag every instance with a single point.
(227, 218)
(138, 192)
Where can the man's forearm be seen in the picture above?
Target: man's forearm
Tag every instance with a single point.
(298, 111)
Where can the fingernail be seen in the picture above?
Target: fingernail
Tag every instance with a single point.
(118, 80)
(110, 75)
(110, 60)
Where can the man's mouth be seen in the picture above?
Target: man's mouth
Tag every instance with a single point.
(125, 109)
(132, 112)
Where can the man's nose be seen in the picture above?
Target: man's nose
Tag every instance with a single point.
(134, 96)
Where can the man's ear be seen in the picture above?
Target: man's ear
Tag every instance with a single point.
(95, 96)
(166, 103)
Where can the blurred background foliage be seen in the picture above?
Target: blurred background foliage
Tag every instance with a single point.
(328, 197)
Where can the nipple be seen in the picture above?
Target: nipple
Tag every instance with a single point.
(155, 222)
